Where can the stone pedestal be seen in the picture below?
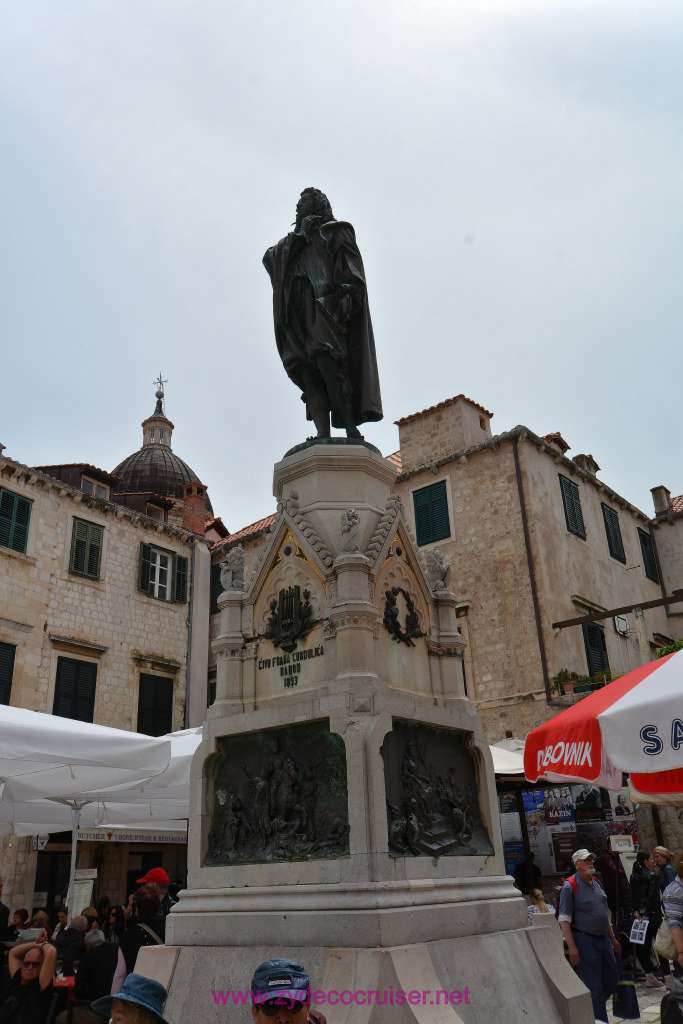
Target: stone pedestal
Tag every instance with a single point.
(344, 801)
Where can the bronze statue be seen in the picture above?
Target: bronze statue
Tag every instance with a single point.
(322, 318)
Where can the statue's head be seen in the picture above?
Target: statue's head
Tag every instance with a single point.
(313, 202)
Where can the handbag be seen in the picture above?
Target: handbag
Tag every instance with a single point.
(625, 1000)
(664, 945)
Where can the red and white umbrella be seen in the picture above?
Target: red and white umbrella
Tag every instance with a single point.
(634, 725)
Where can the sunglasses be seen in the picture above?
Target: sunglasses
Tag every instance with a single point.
(32, 963)
(272, 1008)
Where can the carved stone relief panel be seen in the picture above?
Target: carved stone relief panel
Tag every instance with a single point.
(406, 615)
(279, 795)
(432, 800)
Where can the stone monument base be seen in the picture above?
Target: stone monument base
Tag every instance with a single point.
(516, 976)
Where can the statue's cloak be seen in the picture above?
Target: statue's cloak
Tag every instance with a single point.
(332, 264)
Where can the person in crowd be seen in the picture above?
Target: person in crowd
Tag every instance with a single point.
(70, 943)
(158, 881)
(664, 866)
(646, 903)
(672, 899)
(139, 1001)
(93, 978)
(115, 925)
(584, 920)
(19, 919)
(42, 921)
(538, 904)
(527, 875)
(28, 996)
(615, 883)
(281, 994)
(4, 913)
(103, 908)
(62, 918)
(149, 930)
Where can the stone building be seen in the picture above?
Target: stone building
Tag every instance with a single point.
(104, 608)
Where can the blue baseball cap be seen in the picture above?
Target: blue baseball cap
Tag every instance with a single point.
(138, 990)
(280, 977)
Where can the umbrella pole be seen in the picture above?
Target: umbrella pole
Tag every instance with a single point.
(75, 820)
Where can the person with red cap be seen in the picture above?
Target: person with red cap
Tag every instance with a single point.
(156, 880)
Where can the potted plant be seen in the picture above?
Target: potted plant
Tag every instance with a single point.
(564, 682)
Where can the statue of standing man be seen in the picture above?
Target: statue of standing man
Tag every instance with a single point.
(322, 318)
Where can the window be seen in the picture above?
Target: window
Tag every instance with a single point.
(7, 652)
(431, 513)
(216, 588)
(75, 689)
(162, 574)
(596, 649)
(613, 531)
(151, 434)
(86, 549)
(92, 487)
(155, 705)
(15, 515)
(572, 507)
(647, 549)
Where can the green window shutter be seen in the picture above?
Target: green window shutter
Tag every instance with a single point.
(572, 507)
(216, 587)
(155, 705)
(75, 689)
(86, 549)
(596, 648)
(179, 579)
(7, 652)
(15, 516)
(431, 513)
(144, 567)
(647, 549)
(613, 532)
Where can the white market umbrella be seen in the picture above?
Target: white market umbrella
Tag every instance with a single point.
(48, 760)
(634, 725)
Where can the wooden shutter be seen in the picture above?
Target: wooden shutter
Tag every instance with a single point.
(647, 550)
(15, 515)
(572, 507)
(75, 689)
(155, 705)
(7, 652)
(613, 531)
(596, 648)
(86, 549)
(431, 513)
(216, 587)
(179, 579)
(144, 567)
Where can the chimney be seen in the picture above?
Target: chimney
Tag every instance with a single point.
(194, 508)
(587, 463)
(661, 496)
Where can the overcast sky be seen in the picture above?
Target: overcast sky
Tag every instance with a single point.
(512, 169)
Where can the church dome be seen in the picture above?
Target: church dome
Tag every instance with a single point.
(155, 468)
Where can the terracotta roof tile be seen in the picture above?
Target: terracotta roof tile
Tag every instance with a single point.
(558, 440)
(247, 531)
(395, 460)
(677, 503)
(440, 405)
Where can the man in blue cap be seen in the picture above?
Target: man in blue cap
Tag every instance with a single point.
(281, 994)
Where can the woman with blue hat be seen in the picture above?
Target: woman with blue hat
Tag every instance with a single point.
(139, 1001)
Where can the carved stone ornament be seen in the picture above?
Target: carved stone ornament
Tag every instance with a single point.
(402, 633)
(438, 570)
(232, 569)
(350, 528)
(280, 795)
(432, 802)
(290, 618)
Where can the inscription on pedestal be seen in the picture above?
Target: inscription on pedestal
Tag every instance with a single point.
(432, 802)
(279, 795)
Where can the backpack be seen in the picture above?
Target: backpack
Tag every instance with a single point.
(573, 886)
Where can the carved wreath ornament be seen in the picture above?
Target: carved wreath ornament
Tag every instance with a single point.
(392, 617)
